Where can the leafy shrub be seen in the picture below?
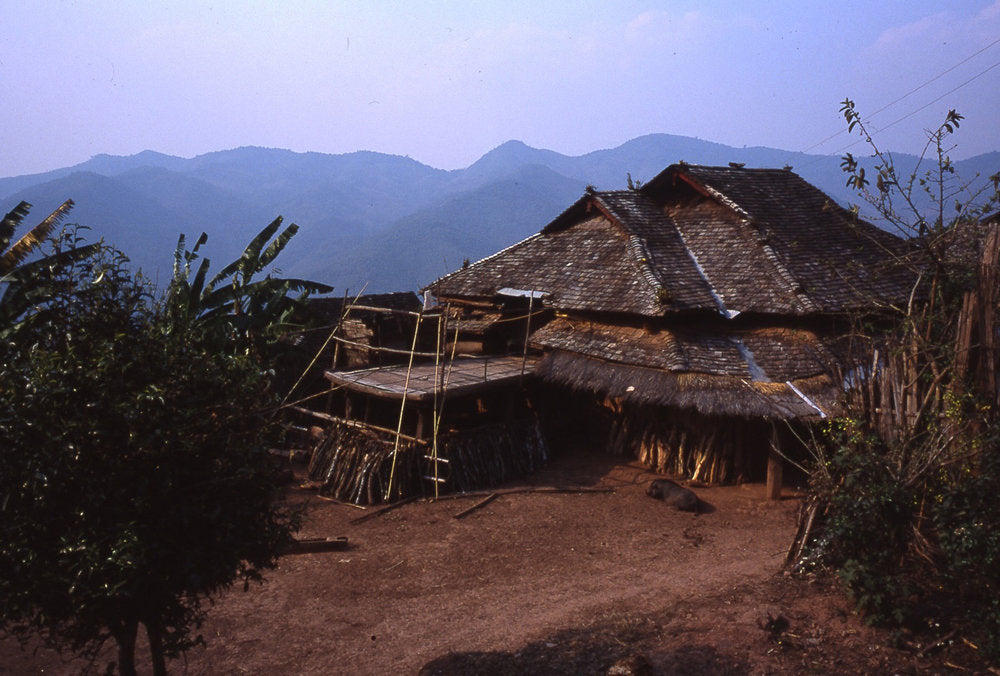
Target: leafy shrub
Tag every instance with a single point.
(966, 521)
(868, 530)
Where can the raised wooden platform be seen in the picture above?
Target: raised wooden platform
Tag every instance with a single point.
(464, 376)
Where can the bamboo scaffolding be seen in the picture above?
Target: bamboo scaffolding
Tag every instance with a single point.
(438, 378)
(439, 406)
(319, 352)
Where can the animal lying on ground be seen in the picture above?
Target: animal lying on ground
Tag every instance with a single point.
(674, 495)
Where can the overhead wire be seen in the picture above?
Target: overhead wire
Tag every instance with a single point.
(947, 93)
(913, 91)
(926, 105)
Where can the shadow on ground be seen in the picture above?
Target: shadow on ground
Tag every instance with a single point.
(593, 650)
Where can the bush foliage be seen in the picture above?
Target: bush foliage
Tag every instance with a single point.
(136, 478)
(906, 484)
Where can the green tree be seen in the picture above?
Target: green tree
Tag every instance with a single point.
(136, 481)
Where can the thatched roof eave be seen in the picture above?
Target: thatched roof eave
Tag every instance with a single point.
(805, 399)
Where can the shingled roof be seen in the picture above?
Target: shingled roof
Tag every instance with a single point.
(721, 239)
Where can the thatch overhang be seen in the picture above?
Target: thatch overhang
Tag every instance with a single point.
(767, 353)
(422, 382)
(773, 372)
(804, 399)
(723, 240)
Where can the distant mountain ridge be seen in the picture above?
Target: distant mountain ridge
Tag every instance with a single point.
(370, 220)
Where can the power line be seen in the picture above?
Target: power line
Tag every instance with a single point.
(935, 78)
(926, 105)
(950, 91)
(915, 90)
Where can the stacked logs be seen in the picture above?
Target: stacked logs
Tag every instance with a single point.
(490, 455)
(697, 448)
(354, 463)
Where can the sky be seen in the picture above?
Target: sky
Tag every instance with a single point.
(444, 82)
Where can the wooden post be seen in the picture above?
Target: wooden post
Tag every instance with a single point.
(527, 330)
(421, 423)
(775, 466)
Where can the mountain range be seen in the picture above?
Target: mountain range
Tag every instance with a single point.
(368, 220)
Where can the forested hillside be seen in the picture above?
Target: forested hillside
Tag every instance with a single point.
(371, 220)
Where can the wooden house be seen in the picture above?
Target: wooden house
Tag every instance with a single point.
(689, 322)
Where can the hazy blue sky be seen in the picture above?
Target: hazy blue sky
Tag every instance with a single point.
(444, 82)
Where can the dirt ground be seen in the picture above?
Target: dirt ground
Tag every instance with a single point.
(544, 581)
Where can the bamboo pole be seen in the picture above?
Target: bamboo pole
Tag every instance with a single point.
(439, 408)
(436, 421)
(402, 408)
(326, 342)
(377, 349)
(357, 424)
(527, 330)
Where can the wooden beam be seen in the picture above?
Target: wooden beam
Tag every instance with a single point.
(482, 503)
(421, 423)
(356, 424)
(775, 467)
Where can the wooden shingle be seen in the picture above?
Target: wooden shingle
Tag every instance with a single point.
(718, 239)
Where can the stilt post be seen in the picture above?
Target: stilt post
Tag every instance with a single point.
(775, 466)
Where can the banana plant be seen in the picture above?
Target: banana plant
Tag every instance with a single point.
(234, 306)
(27, 287)
(14, 254)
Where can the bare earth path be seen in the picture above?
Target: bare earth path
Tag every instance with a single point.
(537, 582)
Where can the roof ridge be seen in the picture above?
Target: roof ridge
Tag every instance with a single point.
(643, 260)
(641, 256)
(730, 168)
(732, 204)
(795, 287)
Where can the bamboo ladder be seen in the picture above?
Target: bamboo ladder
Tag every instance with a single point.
(442, 377)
